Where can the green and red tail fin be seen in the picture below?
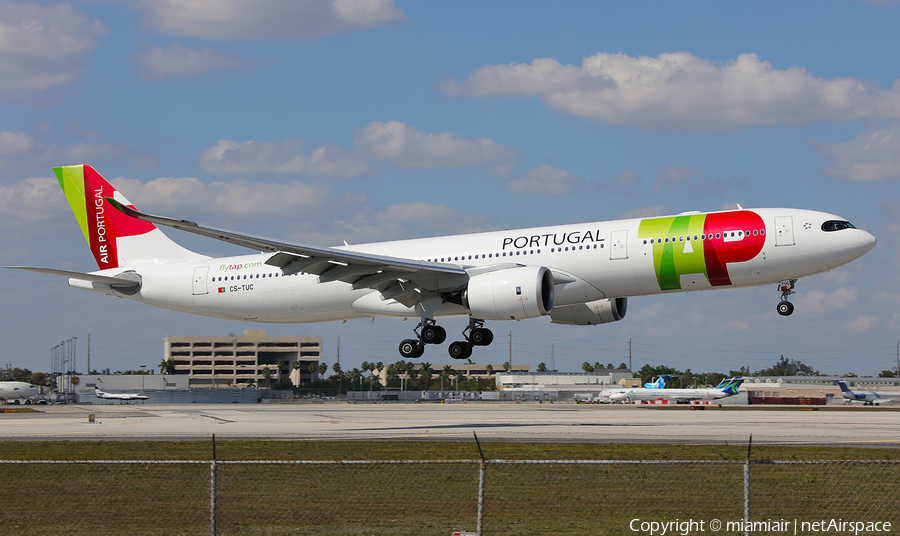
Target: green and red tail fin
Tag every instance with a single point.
(116, 240)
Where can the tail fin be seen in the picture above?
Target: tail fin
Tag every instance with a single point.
(115, 239)
(660, 383)
(730, 385)
(844, 388)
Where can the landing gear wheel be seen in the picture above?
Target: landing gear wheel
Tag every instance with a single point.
(411, 348)
(460, 350)
(481, 337)
(433, 334)
(785, 308)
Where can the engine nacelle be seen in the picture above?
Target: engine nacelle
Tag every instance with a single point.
(510, 294)
(591, 313)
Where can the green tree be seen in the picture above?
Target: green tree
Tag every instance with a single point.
(267, 374)
(587, 367)
(647, 373)
(425, 374)
(323, 369)
(887, 374)
(786, 367)
(542, 367)
(489, 369)
(167, 366)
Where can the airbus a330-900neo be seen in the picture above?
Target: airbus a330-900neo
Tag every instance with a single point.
(578, 274)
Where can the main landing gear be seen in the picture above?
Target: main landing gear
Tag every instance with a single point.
(428, 332)
(786, 287)
(476, 335)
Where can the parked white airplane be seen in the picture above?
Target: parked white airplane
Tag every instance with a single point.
(577, 274)
(868, 398)
(122, 396)
(728, 387)
(16, 390)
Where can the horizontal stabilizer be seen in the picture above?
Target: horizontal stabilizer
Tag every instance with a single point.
(129, 284)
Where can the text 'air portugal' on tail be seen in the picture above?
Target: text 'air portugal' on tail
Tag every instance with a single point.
(116, 240)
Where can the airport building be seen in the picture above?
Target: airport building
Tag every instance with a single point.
(561, 385)
(825, 388)
(254, 360)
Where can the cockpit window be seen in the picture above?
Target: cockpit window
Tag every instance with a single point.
(837, 225)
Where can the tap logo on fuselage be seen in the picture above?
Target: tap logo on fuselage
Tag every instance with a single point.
(702, 244)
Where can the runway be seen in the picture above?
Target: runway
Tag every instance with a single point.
(457, 422)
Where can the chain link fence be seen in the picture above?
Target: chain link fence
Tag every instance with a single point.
(490, 497)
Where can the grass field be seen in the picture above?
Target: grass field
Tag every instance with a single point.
(432, 498)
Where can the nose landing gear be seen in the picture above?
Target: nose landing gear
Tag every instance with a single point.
(786, 287)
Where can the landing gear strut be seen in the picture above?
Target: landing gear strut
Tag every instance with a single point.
(786, 287)
(476, 335)
(427, 332)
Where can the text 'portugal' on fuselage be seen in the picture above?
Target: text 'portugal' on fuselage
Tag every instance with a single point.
(578, 274)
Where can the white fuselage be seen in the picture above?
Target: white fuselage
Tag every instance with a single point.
(10, 390)
(630, 395)
(590, 261)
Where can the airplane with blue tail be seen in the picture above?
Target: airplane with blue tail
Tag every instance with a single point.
(869, 398)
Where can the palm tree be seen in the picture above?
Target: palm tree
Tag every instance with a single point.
(425, 374)
(267, 374)
(587, 367)
(542, 367)
(167, 366)
(446, 372)
(378, 367)
(323, 369)
(297, 364)
(489, 369)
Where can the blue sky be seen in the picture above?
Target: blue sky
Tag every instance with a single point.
(358, 120)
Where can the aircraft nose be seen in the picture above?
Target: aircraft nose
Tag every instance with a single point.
(866, 242)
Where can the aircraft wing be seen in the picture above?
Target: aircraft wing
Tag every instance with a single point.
(389, 275)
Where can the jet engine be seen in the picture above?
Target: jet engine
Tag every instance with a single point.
(510, 294)
(591, 313)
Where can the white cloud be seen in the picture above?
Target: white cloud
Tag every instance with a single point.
(403, 220)
(34, 199)
(816, 302)
(20, 152)
(15, 144)
(393, 142)
(287, 157)
(873, 156)
(406, 146)
(544, 180)
(234, 199)
(683, 92)
(252, 19)
(179, 61)
(43, 46)
(677, 178)
(864, 323)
